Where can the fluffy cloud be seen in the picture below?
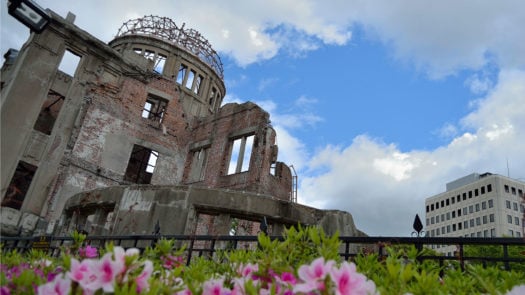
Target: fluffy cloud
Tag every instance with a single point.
(381, 185)
(439, 37)
(384, 187)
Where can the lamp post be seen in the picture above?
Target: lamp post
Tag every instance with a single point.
(29, 13)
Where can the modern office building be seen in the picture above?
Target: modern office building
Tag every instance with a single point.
(477, 205)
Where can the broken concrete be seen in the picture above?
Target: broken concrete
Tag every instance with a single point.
(79, 116)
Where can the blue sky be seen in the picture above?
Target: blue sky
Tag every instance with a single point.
(377, 104)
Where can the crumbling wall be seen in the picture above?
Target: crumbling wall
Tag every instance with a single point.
(82, 128)
(192, 210)
(217, 133)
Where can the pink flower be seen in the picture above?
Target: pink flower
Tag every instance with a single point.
(215, 287)
(59, 286)
(348, 281)
(121, 254)
(313, 275)
(107, 270)
(289, 278)
(142, 279)
(4, 290)
(88, 252)
(170, 262)
(82, 272)
(247, 270)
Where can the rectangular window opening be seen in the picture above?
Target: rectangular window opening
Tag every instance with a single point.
(240, 155)
(182, 73)
(49, 112)
(160, 61)
(154, 108)
(189, 80)
(198, 165)
(198, 82)
(69, 63)
(141, 165)
(19, 185)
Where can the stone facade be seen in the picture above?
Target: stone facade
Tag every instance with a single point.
(78, 115)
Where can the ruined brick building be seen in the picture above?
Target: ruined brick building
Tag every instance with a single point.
(115, 138)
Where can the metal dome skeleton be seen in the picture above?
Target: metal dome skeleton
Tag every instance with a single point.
(166, 29)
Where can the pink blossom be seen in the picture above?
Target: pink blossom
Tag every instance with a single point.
(348, 281)
(289, 278)
(121, 254)
(59, 286)
(142, 279)
(313, 275)
(82, 272)
(183, 292)
(4, 290)
(170, 261)
(107, 270)
(247, 270)
(88, 252)
(215, 287)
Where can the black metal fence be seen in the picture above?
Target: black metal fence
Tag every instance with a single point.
(199, 246)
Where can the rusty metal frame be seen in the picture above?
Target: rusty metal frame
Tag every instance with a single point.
(166, 29)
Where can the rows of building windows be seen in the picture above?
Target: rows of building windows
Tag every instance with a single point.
(460, 212)
(141, 166)
(466, 224)
(460, 197)
(479, 234)
(513, 190)
(514, 206)
(188, 77)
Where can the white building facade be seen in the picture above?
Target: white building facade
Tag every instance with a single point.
(477, 205)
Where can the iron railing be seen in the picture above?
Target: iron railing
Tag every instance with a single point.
(207, 245)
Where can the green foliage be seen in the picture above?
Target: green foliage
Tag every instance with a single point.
(514, 251)
(401, 271)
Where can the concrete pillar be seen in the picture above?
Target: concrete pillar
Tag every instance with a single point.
(22, 99)
(221, 227)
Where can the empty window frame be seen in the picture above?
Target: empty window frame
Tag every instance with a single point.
(141, 165)
(158, 61)
(198, 83)
(154, 108)
(189, 80)
(198, 164)
(211, 99)
(182, 73)
(69, 63)
(49, 112)
(19, 185)
(240, 154)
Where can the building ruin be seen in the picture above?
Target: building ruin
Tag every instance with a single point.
(116, 138)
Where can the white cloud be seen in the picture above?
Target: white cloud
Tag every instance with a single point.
(479, 85)
(384, 187)
(439, 37)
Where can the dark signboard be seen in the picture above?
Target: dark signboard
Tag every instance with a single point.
(41, 242)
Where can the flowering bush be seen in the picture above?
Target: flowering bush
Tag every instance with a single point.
(306, 262)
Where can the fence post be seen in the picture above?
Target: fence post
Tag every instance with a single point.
(506, 256)
(461, 261)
